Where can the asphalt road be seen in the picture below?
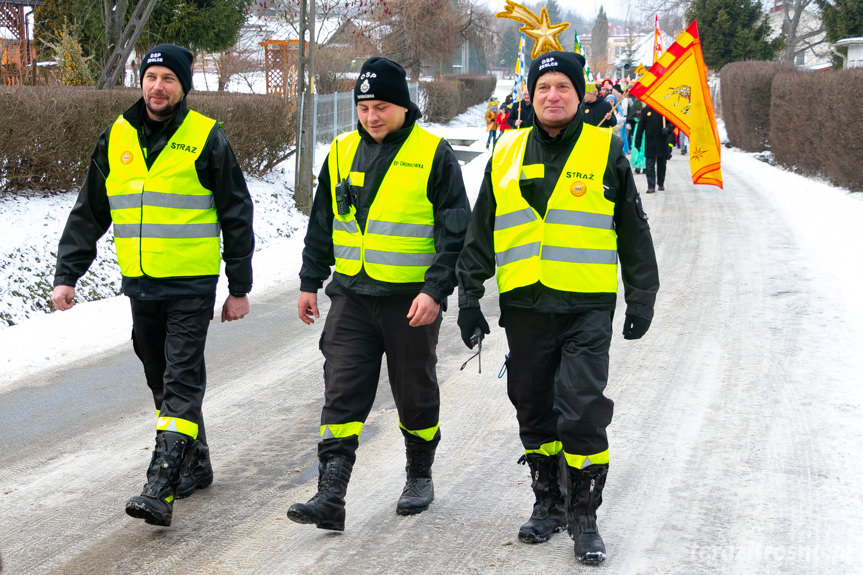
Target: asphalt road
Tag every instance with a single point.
(722, 458)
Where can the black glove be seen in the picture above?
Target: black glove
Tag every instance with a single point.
(634, 327)
(471, 319)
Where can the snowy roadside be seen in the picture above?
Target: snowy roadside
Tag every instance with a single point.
(28, 251)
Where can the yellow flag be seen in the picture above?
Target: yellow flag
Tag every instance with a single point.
(676, 87)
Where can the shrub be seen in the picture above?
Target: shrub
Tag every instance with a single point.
(745, 92)
(819, 135)
(448, 98)
(49, 138)
(442, 100)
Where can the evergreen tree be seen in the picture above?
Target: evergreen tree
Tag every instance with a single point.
(841, 19)
(508, 52)
(599, 43)
(553, 9)
(59, 20)
(199, 25)
(733, 30)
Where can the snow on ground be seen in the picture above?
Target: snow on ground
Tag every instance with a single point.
(32, 227)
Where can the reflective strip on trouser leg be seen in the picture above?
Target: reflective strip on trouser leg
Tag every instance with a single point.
(582, 461)
(178, 425)
(411, 360)
(427, 434)
(552, 448)
(169, 337)
(341, 430)
(556, 375)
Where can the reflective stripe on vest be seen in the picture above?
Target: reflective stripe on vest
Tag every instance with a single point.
(574, 248)
(165, 221)
(397, 244)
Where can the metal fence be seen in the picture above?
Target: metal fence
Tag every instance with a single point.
(336, 113)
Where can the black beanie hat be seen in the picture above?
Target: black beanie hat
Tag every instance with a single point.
(178, 59)
(382, 79)
(568, 63)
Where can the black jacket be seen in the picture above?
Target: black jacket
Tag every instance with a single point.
(594, 112)
(526, 115)
(656, 136)
(634, 243)
(218, 171)
(445, 192)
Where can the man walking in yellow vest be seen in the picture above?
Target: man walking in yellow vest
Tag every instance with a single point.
(167, 179)
(390, 213)
(557, 210)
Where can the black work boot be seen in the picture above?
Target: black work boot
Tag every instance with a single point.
(155, 505)
(326, 509)
(584, 496)
(199, 474)
(418, 492)
(549, 514)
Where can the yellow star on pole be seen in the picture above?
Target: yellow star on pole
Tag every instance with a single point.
(542, 31)
(544, 36)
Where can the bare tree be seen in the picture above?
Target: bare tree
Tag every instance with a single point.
(802, 27)
(333, 18)
(119, 51)
(477, 29)
(422, 30)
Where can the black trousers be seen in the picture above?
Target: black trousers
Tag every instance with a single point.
(169, 338)
(556, 375)
(358, 331)
(655, 170)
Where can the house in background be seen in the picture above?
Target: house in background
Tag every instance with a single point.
(813, 51)
(854, 59)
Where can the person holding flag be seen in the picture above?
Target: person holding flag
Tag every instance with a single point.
(652, 138)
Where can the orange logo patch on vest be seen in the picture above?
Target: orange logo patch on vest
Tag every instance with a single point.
(578, 189)
(126, 157)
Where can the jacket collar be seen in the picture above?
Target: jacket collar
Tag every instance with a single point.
(571, 132)
(399, 135)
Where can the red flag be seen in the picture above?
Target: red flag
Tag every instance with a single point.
(676, 87)
(657, 39)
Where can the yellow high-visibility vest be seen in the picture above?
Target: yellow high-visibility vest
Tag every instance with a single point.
(165, 221)
(574, 247)
(397, 244)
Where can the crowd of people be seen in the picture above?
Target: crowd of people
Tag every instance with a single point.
(607, 104)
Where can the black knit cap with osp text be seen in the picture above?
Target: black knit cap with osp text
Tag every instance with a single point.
(568, 63)
(382, 79)
(177, 58)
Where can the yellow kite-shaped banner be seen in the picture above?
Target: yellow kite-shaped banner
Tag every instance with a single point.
(676, 87)
(539, 28)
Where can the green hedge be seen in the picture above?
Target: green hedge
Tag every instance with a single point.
(49, 132)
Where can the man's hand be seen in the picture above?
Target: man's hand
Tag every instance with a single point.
(307, 307)
(235, 308)
(63, 297)
(424, 310)
(634, 327)
(470, 319)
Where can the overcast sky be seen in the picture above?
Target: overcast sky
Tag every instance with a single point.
(585, 8)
